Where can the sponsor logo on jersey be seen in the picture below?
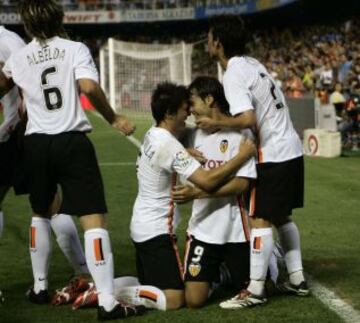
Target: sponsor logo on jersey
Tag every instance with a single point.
(194, 269)
(224, 145)
(182, 159)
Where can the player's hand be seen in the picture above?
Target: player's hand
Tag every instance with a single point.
(124, 125)
(198, 155)
(248, 148)
(206, 123)
(183, 194)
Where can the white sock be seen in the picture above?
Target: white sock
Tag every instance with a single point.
(290, 242)
(100, 262)
(149, 296)
(68, 239)
(1, 223)
(40, 251)
(273, 268)
(262, 245)
(125, 281)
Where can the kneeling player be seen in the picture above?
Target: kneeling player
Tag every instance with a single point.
(155, 215)
(218, 229)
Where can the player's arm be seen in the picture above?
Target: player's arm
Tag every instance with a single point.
(210, 180)
(185, 193)
(98, 99)
(5, 84)
(243, 120)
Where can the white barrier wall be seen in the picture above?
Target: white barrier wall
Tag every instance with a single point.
(322, 143)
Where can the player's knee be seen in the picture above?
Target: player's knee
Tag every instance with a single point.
(194, 302)
(282, 221)
(174, 303)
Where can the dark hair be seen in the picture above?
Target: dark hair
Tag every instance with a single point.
(230, 31)
(168, 99)
(42, 19)
(206, 85)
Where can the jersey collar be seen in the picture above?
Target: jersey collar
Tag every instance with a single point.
(47, 41)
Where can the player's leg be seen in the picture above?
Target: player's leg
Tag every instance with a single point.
(67, 238)
(158, 264)
(83, 195)
(8, 153)
(3, 191)
(261, 246)
(288, 232)
(237, 260)
(202, 262)
(42, 188)
(69, 242)
(128, 290)
(265, 202)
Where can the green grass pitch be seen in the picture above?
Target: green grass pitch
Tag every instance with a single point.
(329, 227)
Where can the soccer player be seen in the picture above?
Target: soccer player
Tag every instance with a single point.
(50, 71)
(155, 216)
(218, 228)
(257, 103)
(11, 162)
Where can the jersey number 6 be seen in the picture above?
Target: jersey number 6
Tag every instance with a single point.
(52, 95)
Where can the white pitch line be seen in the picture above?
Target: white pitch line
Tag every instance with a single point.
(334, 302)
(326, 296)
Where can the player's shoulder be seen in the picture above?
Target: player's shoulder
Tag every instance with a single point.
(10, 40)
(161, 138)
(69, 43)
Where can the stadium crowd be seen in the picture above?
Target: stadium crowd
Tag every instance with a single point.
(9, 5)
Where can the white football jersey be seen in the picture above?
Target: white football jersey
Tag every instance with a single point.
(47, 74)
(220, 220)
(249, 86)
(161, 157)
(11, 102)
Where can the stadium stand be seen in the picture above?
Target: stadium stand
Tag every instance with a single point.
(9, 5)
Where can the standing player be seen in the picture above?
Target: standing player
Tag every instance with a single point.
(155, 215)
(218, 228)
(257, 103)
(11, 163)
(49, 71)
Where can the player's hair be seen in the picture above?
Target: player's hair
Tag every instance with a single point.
(206, 85)
(230, 31)
(167, 99)
(42, 19)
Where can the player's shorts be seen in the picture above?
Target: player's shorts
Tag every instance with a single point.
(202, 262)
(67, 159)
(279, 188)
(158, 262)
(11, 164)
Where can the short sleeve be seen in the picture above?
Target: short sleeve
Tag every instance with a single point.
(237, 94)
(174, 157)
(248, 170)
(84, 65)
(7, 68)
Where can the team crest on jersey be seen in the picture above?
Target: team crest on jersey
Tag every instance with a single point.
(224, 145)
(194, 269)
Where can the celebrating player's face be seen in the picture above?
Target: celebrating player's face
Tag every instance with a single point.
(181, 116)
(199, 108)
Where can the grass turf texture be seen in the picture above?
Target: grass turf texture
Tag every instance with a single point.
(329, 227)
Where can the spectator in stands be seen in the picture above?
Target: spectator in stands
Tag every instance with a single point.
(294, 87)
(337, 98)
